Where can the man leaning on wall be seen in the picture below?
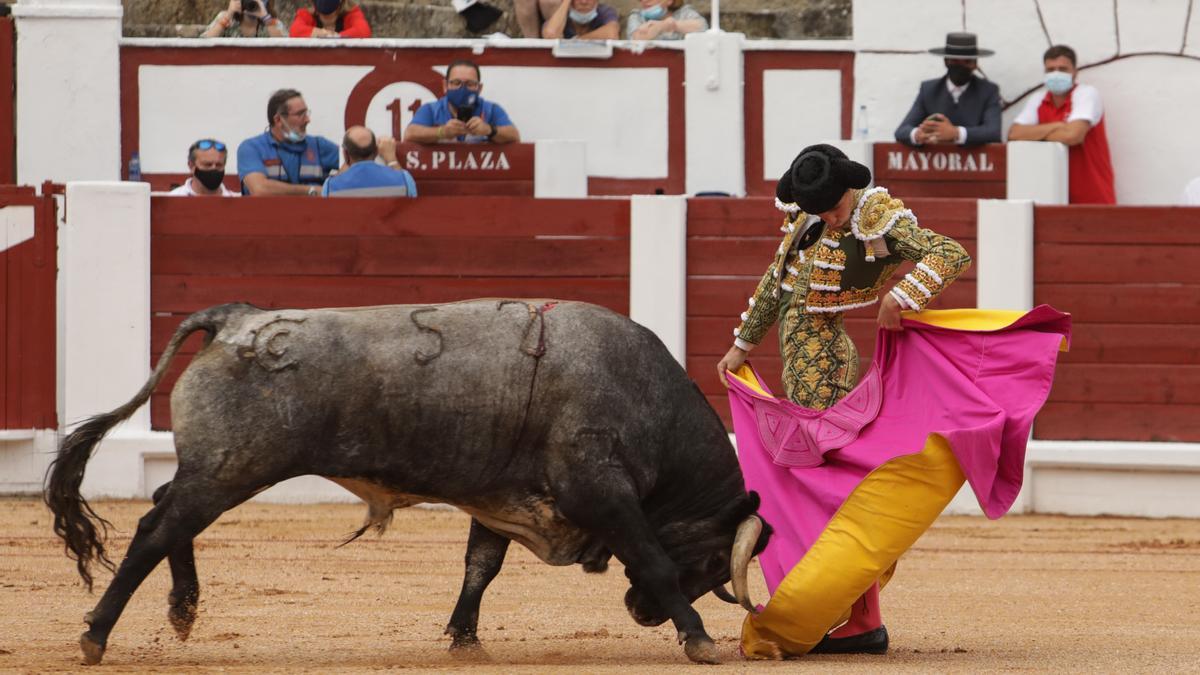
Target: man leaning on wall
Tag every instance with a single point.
(1070, 112)
(462, 114)
(284, 159)
(959, 107)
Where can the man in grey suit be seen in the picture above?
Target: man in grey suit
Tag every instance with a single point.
(957, 107)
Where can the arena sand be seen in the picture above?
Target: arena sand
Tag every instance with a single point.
(1026, 593)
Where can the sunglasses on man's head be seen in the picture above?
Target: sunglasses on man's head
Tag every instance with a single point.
(209, 144)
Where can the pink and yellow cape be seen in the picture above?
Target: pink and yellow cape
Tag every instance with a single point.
(950, 398)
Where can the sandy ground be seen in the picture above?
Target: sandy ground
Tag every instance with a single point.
(1022, 594)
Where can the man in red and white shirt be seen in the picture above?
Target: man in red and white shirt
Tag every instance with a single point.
(1070, 113)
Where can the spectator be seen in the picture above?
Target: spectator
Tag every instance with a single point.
(583, 19)
(1072, 114)
(206, 163)
(957, 107)
(462, 114)
(531, 14)
(331, 19)
(1191, 193)
(284, 159)
(364, 177)
(246, 18)
(663, 20)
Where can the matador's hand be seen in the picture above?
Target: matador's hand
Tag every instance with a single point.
(889, 313)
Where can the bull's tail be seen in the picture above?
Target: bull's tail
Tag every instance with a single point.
(82, 530)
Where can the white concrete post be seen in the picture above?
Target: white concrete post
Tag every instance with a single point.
(862, 152)
(658, 268)
(105, 313)
(1037, 171)
(68, 73)
(560, 169)
(1004, 263)
(714, 93)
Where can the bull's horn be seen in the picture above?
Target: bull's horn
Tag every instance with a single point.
(722, 593)
(743, 549)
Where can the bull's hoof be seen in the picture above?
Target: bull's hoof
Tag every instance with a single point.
(93, 651)
(701, 649)
(468, 649)
(182, 617)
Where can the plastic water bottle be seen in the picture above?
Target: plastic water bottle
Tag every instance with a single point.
(862, 129)
(135, 167)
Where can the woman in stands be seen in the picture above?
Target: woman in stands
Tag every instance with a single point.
(583, 19)
(246, 18)
(663, 20)
(331, 19)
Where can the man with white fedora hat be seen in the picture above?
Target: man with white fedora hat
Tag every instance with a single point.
(959, 107)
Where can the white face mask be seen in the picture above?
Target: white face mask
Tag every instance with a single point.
(1059, 82)
(583, 17)
(291, 135)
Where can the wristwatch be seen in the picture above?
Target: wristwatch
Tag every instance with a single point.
(492, 135)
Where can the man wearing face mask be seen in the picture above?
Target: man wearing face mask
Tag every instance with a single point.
(206, 163)
(462, 115)
(958, 107)
(1070, 113)
(583, 19)
(284, 159)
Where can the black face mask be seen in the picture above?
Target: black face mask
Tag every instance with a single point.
(210, 179)
(959, 74)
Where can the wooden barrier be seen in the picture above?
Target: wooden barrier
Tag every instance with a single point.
(730, 244)
(304, 253)
(28, 268)
(942, 170)
(1130, 277)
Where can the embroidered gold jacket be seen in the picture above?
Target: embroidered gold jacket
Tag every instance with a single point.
(845, 269)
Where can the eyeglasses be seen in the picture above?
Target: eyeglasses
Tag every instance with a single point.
(209, 144)
(303, 112)
(473, 85)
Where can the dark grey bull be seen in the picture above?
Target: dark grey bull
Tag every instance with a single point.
(561, 426)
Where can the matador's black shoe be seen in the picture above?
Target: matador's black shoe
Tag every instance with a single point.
(870, 642)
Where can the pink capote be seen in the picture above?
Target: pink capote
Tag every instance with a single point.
(979, 390)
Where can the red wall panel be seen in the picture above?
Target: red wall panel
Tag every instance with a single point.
(1130, 277)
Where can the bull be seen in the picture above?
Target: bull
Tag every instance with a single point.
(559, 425)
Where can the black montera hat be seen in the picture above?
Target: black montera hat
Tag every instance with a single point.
(818, 178)
(961, 46)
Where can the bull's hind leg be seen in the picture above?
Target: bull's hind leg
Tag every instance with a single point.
(485, 556)
(183, 511)
(184, 597)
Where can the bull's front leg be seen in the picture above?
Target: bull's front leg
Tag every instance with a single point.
(608, 506)
(485, 556)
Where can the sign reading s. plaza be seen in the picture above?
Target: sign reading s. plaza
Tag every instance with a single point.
(460, 161)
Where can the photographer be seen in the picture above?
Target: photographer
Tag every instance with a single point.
(461, 115)
(246, 18)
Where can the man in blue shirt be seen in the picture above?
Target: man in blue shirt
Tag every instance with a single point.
(365, 177)
(461, 115)
(284, 159)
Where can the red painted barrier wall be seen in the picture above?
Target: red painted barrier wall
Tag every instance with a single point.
(1130, 277)
(300, 252)
(730, 244)
(27, 318)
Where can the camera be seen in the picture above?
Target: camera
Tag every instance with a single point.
(466, 112)
(250, 6)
